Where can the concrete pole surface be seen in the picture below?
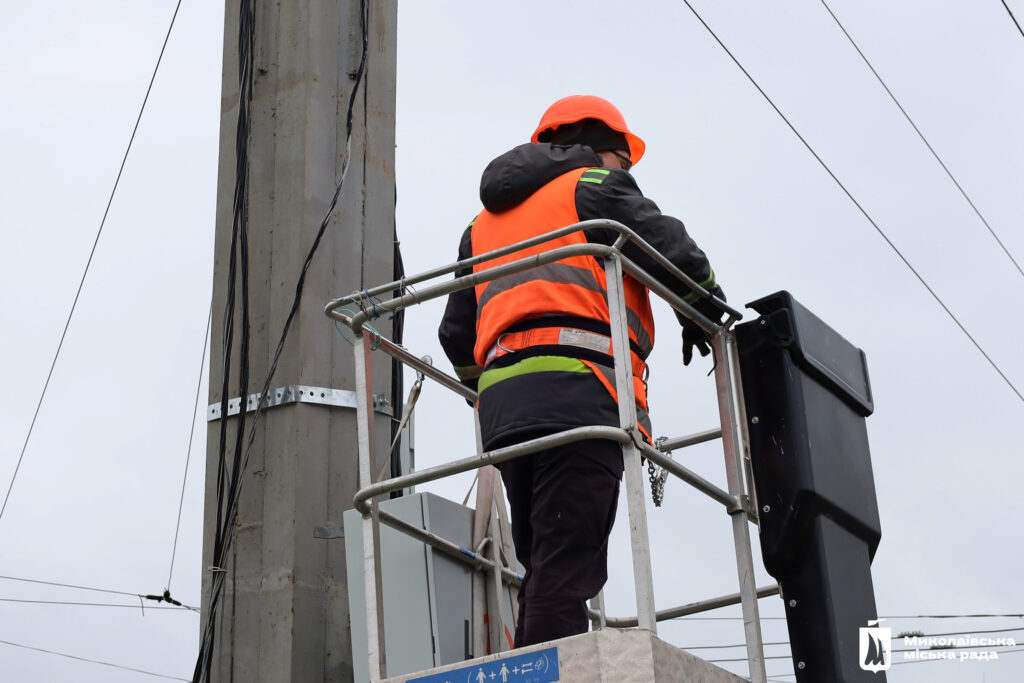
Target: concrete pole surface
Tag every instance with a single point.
(284, 612)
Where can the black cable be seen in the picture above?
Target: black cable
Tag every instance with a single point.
(859, 207)
(188, 452)
(225, 481)
(1015, 22)
(88, 262)
(225, 530)
(305, 267)
(397, 368)
(923, 139)
(92, 661)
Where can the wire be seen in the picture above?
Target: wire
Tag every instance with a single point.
(68, 585)
(884, 616)
(186, 608)
(92, 661)
(925, 635)
(923, 139)
(954, 616)
(968, 633)
(164, 598)
(858, 205)
(88, 262)
(912, 649)
(906, 661)
(188, 454)
(1016, 23)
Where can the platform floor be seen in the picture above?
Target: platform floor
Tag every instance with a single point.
(608, 656)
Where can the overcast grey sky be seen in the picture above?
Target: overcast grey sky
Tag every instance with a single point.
(96, 500)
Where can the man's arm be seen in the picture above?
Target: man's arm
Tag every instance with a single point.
(458, 326)
(617, 197)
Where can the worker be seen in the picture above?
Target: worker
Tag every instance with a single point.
(536, 345)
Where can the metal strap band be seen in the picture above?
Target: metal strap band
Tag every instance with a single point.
(299, 393)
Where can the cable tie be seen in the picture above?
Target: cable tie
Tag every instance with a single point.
(342, 333)
(373, 305)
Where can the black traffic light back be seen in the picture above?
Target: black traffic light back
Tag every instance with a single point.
(807, 395)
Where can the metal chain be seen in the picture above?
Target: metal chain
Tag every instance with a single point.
(657, 477)
(657, 484)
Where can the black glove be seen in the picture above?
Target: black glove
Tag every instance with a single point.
(693, 336)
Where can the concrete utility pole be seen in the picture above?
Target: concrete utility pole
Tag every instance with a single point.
(284, 614)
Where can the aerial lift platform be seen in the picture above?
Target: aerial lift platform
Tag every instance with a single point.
(815, 526)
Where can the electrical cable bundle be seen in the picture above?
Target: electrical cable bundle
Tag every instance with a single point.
(229, 483)
(239, 238)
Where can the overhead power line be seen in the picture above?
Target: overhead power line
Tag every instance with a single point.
(92, 661)
(911, 649)
(69, 585)
(923, 635)
(1015, 22)
(765, 619)
(906, 661)
(188, 453)
(140, 606)
(923, 138)
(88, 262)
(863, 211)
(155, 598)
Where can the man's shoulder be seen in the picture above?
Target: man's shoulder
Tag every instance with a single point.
(608, 180)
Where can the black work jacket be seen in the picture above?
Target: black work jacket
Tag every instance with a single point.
(531, 405)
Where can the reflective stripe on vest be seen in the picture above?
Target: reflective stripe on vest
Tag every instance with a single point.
(604, 375)
(510, 342)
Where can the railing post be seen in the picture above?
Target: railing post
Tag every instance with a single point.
(734, 438)
(375, 642)
(639, 541)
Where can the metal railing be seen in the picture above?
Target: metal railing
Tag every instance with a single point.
(738, 500)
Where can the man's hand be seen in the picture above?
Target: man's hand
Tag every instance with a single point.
(693, 336)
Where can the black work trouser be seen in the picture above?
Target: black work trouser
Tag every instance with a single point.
(563, 507)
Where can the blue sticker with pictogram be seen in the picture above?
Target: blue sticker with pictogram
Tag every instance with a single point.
(540, 666)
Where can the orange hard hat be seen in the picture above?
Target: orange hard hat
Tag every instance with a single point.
(578, 107)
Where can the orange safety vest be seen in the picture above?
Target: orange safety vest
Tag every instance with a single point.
(574, 286)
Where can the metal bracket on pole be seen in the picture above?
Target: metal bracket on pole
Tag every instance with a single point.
(299, 393)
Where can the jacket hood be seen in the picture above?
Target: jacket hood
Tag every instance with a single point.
(518, 173)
